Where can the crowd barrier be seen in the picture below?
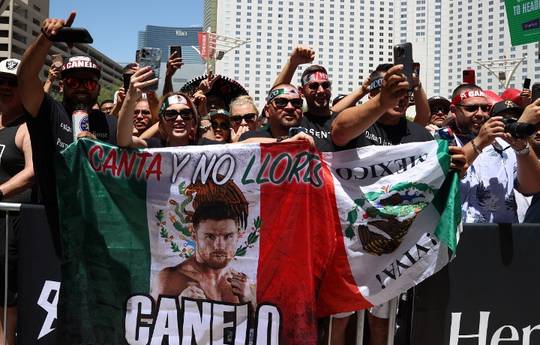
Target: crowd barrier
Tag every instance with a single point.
(487, 295)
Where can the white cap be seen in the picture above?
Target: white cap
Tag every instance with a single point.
(9, 66)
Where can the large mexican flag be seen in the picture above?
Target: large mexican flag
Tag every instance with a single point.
(237, 244)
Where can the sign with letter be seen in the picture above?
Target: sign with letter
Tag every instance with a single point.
(523, 21)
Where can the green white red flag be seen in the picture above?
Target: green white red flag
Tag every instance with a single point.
(244, 244)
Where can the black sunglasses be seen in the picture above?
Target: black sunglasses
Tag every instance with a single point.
(170, 115)
(9, 81)
(237, 119)
(282, 102)
(435, 109)
(315, 85)
(224, 125)
(474, 107)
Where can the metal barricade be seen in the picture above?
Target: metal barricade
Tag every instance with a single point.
(7, 208)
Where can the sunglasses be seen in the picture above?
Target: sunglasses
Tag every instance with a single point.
(224, 125)
(474, 107)
(282, 102)
(237, 119)
(75, 83)
(315, 85)
(435, 110)
(171, 115)
(8, 81)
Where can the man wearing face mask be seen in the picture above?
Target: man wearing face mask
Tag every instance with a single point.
(50, 122)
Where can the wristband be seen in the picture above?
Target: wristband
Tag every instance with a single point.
(476, 149)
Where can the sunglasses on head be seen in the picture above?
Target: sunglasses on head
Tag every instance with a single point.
(224, 125)
(474, 107)
(75, 83)
(282, 102)
(237, 119)
(315, 85)
(8, 81)
(171, 115)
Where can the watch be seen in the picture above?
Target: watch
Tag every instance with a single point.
(524, 151)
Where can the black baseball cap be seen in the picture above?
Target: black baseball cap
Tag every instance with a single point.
(506, 108)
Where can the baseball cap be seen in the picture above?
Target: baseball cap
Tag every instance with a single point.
(506, 108)
(440, 101)
(221, 112)
(9, 66)
(80, 63)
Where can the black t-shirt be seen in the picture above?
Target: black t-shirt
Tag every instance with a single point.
(206, 141)
(533, 212)
(259, 133)
(50, 133)
(378, 134)
(319, 127)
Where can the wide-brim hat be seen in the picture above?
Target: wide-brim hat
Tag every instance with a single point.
(224, 88)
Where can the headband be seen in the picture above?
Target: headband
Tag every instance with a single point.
(173, 99)
(278, 92)
(467, 94)
(321, 76)
(376, 84)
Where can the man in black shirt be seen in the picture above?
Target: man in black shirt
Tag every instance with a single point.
(50, 122)
(283, 110)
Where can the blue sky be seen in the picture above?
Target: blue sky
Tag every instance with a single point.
(114, 24)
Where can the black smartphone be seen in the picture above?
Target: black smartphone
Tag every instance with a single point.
(127, 80)
(526, 83)
(416, 69)
(469, 76)
(295, 130)
(403, 56)
(177, 49)
(535, 90)
(72, 35)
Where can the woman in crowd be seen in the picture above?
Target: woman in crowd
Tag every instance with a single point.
(178, 116)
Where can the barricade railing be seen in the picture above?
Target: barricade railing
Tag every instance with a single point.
(7, 207)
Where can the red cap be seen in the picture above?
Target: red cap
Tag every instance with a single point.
(512, 95)
(492, 97)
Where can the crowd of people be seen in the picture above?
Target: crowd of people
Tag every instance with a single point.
(498, 167)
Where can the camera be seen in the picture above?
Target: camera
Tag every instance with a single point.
(518, 130)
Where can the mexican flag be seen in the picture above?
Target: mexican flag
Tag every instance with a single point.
(244, 244)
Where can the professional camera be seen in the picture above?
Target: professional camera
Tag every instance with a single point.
(517, 129)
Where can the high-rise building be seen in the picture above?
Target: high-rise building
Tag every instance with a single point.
(351, 37)
(451, 36)
(162, 37)
(20, 24)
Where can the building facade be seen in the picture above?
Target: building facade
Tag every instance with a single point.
(187, 37)
(20, 24)
(351, 37)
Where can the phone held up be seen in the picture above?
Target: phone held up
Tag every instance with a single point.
(469, 76)
(403, 56)
(150, 57)
(177, 49)
(526, 83)
(535, 91)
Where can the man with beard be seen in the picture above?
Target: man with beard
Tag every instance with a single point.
(205, 275)
(283, 110)
(50, 122)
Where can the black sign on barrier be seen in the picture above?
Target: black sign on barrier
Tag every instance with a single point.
(38, 279)
(487, 295)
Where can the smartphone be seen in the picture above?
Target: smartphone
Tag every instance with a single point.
(403, 56)
(295, 130)
(72, 35)
(57, 60)
(177, 49)
(535, 92)
(469, 76)
(137, 55)
(416, 69)
(127, 80)
(526, 83)
(151, 57)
